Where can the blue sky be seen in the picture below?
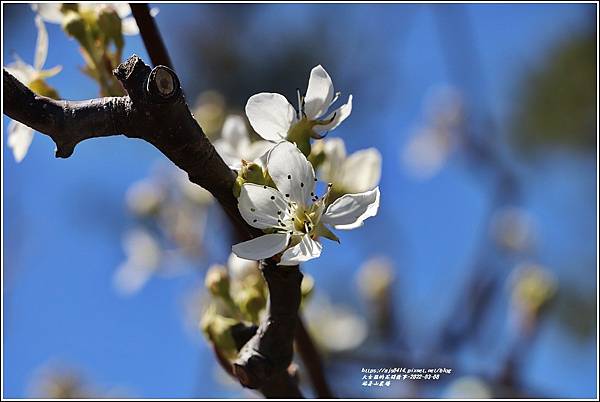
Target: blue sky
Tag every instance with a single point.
(64, 219)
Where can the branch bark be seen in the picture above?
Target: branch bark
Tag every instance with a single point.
(151, 35)
(155, 111)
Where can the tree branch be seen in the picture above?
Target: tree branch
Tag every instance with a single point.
(312, 360)
(155, 110)
(151, 35)
(264, 359)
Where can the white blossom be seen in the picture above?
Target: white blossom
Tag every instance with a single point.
(20, 135)
(235, 145)
(432, 144)
(274, 118)
(292, 215)
(50, 12)
(143, 257)
(353, 173)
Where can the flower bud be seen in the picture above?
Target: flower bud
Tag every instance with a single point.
(307, 286)
(110, 25)
(217, 281)
(251, 303)
(74, 25)
(40, 87)
(218, 329)
(250, 172)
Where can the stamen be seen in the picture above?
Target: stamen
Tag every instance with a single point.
(301, 184)
(272, 197)
(287, 195)
(289, 176)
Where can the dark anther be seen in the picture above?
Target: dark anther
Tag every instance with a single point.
(272, 197)
(290, 176)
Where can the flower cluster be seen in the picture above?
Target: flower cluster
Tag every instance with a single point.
(277, 185)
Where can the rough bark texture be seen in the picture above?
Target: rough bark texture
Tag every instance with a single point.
(155, 111)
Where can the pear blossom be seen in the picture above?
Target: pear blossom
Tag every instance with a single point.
(275, 119)
(433, 143)
(292, 216)
(32, 76)
(355, 173)
(144, 256)
(51, 12)
(234, 146)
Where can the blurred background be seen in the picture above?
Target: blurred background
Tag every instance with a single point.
(482, 258)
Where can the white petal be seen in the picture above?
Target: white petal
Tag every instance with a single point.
(122, 9)
(154, 11)
(239, 268)
(235, 133)
(21, 70)
(19, 139)
(50, 12)
(262, 247)
(361, 171)
(319, 93)
(129, 26)
(41, 46)
(293, 175)
(350, 210)
(261, 206)
(337, 117)
(271, 115)
(228, 154)
(427, 152)
(335, 154)
(130, 278)
(256, 151)
(306, 250)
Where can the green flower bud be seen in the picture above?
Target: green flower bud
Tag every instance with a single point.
(217, 281)
(74, 25)
(40, 87)
(300, 134)
(250, 172)
(307, 286)
(110, 25)
(66, 7)
(251, 303)
(217, 329)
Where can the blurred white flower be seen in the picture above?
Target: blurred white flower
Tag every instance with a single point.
(432, 144)
(294, 222)
(353, 173)
(143, 258)
(145, 197)
(20, 135)
(335, 327)
(374, 278)
(275, 119)
(468, 387)
(513, 228)
(235, 146)
(240, 268)
(192, 191)
(51, 12)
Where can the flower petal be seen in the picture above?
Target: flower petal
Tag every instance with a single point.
(319, 93)
(41, 46)
(19, 139)
(306, 250)
(262, 207)
(235, 133)
(228, 154)
(271, 115)
(122, 9)
(21, 70)
(293, 175)
(256, 150)
(50, 12)
(335, 152)
(262, 247)
(129, 26)
(337, 117)
(350, 210)
(361, 171)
